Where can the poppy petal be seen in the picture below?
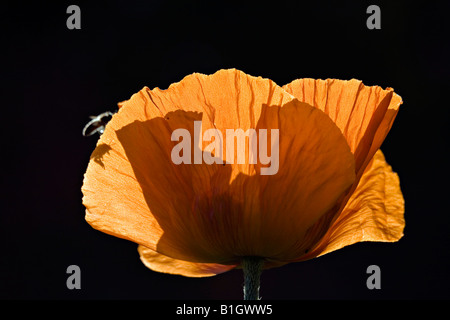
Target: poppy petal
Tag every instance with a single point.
(227, 99)
(212, 213)
(161, 263)
(112, 196)
(383, 129)
(133, 190)
(374, 212)
(358, 110)
(316, 168)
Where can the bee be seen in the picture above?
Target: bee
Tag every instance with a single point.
(97, 124)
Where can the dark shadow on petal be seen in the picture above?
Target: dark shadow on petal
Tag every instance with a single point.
(179, 196)
(361, 152)
(203, 216)
(99, 152)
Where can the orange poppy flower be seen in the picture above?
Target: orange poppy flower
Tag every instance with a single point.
(218, 205)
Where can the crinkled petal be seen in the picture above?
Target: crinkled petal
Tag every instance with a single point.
(215, 213)
(363, 113)
(316, 168)
(112, 195)
(374, 212)
(132, 188)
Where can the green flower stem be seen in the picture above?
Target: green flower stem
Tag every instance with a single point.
(252, 267)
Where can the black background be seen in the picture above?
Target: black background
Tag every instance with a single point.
(54, 78)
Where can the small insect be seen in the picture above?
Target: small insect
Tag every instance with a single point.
(97, 124)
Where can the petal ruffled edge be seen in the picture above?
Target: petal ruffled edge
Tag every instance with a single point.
(363, 113)
(374, 212)
(161, 263)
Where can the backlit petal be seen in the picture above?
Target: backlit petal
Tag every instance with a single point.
(374, 212)
(112, 196)
(316, 168)
(363, 113)
(132, 188)
(215, 213)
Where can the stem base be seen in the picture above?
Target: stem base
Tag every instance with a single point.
(252, 267)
